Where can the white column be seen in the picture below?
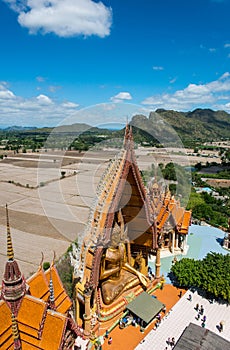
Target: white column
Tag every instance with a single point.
(173, 242)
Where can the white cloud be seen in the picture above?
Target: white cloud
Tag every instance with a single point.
(227, 45)
(40, 79)
(35, 111)
(173, 80)
(4, 92)
(225, 75)
(43, 99)
(64, 18)
(194, 96)
(69, 104)
(54, 88)
(158, 68)
(122, 96)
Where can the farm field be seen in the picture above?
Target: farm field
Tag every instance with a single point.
(49, 198)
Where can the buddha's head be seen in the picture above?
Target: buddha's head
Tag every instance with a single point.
(115, 237)
(118, 232)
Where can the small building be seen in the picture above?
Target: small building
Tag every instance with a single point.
(195, 337)
(172, 220)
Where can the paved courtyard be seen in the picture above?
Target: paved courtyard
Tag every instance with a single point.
(181, 315)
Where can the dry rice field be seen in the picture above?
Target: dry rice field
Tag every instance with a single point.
(47, 212)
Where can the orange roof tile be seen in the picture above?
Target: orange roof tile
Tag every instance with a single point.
(9, 343)
(186, 221)
(62, 300)
(161, 213)
(29, 346)
(31, 313)
(54, 329)
(38, 285)
(162, 222)
(5, 323)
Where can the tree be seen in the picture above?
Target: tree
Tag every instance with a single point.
(46, 265)
(210, 274)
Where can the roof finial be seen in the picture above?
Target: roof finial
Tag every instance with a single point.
(131, 137)
(10, 252)
(15, 333)
(41, 263)
(54, 257)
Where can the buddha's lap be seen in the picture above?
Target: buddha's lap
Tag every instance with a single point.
(113, 287)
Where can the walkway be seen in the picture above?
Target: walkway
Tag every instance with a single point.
(128, 338)
(181, 315)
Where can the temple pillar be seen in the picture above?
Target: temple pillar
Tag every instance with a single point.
(87, 315)
(77, 311)
(173, 242)
(158, 263)
(176, 240)
(184, 243)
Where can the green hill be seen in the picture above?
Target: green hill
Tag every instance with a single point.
(200, 125)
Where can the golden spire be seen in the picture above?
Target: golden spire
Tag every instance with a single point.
(10, 252)
(15, 333)
(14, 327)
(126, 137)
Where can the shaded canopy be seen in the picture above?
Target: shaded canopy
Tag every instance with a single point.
(145, 307)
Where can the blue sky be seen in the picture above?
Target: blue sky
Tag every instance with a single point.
(61, 56)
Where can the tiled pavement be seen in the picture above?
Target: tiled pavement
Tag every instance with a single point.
(181, 315)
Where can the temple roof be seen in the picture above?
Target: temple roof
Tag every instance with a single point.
(120, 189)
(145, 212)
(169, 210)
(38, 285)
(27, 320)
(39, 327)
(61, 299)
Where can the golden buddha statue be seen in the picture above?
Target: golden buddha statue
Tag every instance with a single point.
(116, 274)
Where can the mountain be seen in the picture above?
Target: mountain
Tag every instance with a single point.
(162, 127)
(19, 128)
(199, 125)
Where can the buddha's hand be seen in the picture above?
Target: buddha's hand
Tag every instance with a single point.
(142, 278)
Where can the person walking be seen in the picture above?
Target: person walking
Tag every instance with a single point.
(110, 341)
(201, 310)
(172, 342)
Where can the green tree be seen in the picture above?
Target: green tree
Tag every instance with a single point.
(210, 274)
